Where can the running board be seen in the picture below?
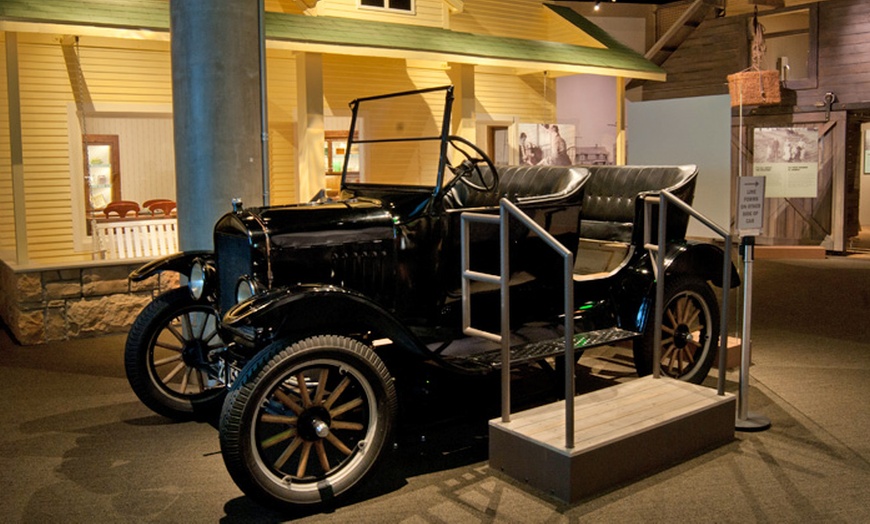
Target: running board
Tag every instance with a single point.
(533, 351)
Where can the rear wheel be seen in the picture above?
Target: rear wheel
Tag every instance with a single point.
(690, 329)
(305, 422)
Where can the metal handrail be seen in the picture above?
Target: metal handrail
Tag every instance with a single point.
(506, 210)
(663, 198)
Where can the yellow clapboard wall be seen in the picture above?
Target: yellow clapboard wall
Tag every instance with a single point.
(120, 71)
(114, 71)
(527, 97)
(282, 115)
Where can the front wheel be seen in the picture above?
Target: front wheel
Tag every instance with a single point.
(169, 356)
(305, 422)
(690, 331)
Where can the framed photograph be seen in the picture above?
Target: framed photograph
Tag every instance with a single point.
(546, 144)
(789, 158)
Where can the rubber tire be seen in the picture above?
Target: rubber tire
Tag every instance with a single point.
(703, 300)
(253, 390)
(138, 354)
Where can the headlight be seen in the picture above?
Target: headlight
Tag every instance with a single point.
(196, 282)
(245, 289)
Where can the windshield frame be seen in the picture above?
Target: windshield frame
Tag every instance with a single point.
(443, 137)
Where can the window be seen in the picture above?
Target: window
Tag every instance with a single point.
(395, 5)
(791, 40)
(334, 149)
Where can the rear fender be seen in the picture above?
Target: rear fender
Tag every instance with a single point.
(301, 311)
(704, 260)
(701, 259)
(179, 263)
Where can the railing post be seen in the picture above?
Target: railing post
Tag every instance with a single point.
(660, 288)
(504, 267)
(506, 210)
(661, 198)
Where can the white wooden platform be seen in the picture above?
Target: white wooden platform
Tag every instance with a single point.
(621, 433)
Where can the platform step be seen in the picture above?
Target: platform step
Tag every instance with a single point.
(621, 433)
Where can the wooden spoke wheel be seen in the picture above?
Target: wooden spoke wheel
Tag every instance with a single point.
(168, 356)
(305, 422)
(690, 329)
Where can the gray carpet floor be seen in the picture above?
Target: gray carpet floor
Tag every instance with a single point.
(77, 446)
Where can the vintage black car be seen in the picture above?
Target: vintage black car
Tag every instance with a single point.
(313, 323)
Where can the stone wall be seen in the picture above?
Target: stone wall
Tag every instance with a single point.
(46, 304)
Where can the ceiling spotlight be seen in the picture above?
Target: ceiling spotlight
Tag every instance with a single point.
(597, 5)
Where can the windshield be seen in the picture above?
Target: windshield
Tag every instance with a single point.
(399, 139)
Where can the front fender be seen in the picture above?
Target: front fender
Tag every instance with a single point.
(179, 262)
(301, 311)
(702, 259)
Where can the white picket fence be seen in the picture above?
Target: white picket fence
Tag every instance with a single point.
(115, 239)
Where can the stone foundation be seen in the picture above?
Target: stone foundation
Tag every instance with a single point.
(46, 304)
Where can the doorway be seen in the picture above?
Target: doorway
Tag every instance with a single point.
(498, 144)
(102, 171)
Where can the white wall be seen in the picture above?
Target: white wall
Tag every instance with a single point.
(147, 153)
(688, 131)
(589, 104)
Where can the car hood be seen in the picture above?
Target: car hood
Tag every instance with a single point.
(324, 224)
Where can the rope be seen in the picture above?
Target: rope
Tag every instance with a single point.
(79, 95)
(759, 47)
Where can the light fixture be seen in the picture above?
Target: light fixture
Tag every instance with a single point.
(597, 5)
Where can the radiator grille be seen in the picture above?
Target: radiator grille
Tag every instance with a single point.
(234, 259)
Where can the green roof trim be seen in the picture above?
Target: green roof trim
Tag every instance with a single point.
(348, 32)
(332, 31)
(123, 14)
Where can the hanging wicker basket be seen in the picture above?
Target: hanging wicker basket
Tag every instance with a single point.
(754, 88)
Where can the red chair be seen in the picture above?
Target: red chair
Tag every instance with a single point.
(148, 203)
(122, 208)
(162, 205)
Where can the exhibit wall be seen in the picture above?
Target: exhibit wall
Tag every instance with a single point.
(688, 131)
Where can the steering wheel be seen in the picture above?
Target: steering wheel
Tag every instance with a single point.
(469, 168)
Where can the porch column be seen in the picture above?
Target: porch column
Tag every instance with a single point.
(216, 107)
(16, 150)
(311, 175)
(620, 153)
(463, 119)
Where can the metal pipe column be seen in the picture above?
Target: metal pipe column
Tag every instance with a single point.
(747, 421)
(216, 112)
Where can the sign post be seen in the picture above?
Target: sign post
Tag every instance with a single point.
(750, 223)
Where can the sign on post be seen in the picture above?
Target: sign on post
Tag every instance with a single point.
(750, 205)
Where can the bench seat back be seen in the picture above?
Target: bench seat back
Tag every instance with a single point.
(613, 210)
(523, 185)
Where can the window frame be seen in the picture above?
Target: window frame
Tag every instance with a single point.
(811, 81)
(385, 6)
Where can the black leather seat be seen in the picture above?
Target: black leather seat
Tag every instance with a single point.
(611, 203)
(523, 185)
